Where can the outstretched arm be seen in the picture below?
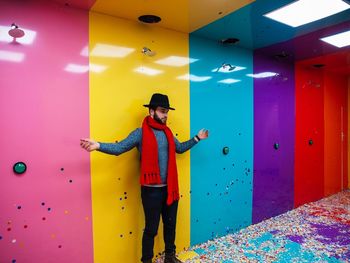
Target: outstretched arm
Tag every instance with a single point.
(182, 147)
(202, 134)
(89, 145)
(133, 139)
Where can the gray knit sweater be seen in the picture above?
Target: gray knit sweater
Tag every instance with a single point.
(135, 139)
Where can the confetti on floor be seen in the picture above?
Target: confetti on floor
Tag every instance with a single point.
(314, 232)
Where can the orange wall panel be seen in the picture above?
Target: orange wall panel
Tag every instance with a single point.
(335, 116)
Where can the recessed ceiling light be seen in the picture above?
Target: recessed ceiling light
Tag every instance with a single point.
(305, 11)
(338, 40)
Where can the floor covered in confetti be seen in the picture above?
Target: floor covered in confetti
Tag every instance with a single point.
(315, 232)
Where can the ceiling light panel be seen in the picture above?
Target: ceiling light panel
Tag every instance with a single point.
(338, 40)
(303, 12)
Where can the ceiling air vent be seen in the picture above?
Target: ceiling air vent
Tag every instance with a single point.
(149, 19)
(229, 41)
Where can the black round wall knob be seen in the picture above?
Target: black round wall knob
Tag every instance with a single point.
(225, 150)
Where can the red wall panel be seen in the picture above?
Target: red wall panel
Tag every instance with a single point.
(309, 140)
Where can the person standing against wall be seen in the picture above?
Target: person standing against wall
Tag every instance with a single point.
(159, 177)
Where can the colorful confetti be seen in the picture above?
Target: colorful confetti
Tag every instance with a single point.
(314, 232)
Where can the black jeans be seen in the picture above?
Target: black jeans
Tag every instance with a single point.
(154, 205)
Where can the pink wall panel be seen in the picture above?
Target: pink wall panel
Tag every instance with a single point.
(44, 110)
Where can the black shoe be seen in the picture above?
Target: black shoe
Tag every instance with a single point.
(170, 258)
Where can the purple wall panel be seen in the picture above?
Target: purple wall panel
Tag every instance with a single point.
(274, 123)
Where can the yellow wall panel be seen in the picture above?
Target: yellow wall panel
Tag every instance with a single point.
(117, 94)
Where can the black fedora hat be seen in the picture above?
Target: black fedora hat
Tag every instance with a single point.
(159, 100)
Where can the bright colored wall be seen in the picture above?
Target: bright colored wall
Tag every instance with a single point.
(322, 116)
(116, 97)
(309, 135)
(274, 129)
(221, 185)
(335, 121)
(70, 206)
(44, 110)
(348, 133)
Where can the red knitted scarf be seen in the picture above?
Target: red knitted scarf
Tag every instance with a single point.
(150, 173)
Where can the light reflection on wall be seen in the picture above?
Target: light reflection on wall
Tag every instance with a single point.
(85, 51)
(229, 81)
(148, 71)
(11, 56)
(176, 61)
(263, 75)
(194, 78)
(76, 68)
(97, 68)
(112, 51)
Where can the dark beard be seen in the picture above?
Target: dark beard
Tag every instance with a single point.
(157, 119)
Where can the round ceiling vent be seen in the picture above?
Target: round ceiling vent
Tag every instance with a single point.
(149, 19)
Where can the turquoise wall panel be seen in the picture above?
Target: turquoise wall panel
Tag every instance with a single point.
(221, 99)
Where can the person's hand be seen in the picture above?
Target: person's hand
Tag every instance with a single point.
(89, 145)
(203, 134)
